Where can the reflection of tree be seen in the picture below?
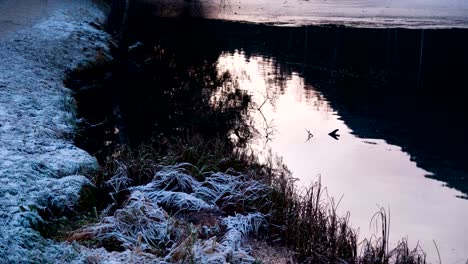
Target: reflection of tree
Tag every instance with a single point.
(229, 97)
(175, 96)
(268, 128)
(167, 89)
(275, 79)
(316, 100)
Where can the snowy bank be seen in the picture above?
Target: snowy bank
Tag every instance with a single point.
(39, 165)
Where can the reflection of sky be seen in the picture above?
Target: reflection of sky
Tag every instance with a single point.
(366, 171)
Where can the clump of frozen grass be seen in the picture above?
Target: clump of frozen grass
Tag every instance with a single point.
(120, 181)
(101, 255)
(229, 248)
(172, 186)
(178, 201)
(234, 193)
(140, 223)
(174, 190)
(118, 184)
(175, 178)
(239, 226)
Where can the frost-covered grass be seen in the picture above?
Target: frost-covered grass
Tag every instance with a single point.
(152, 220)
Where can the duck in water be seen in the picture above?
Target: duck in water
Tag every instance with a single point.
(334, 134)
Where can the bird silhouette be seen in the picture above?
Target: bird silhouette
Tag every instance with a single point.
(309, 135)
(334, 134)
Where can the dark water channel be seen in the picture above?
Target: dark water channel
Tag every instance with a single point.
(397, 96)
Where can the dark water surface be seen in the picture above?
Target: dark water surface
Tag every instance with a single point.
(397, 96)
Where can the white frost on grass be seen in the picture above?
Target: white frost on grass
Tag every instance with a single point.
(138, 226)
(39, 165)
(179, 201)
(143, 224)
(229, 249)
(229, 191)
(173, 188)
(175, 178)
